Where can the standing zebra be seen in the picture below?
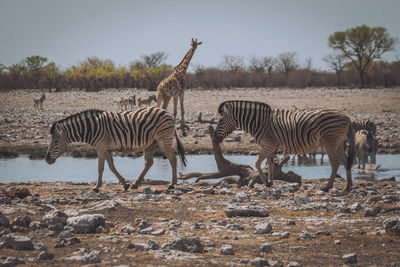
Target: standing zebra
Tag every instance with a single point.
(370, 127)
(38, 101)
(365, 125)
(365, 145)
(293, 132)
(136, 130)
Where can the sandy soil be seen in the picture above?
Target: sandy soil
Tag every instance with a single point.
(25, 129)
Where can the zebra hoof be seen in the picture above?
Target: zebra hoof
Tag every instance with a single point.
(326, 188)
(96, 189)
(134, 186)
(268, 184)
(126, 187)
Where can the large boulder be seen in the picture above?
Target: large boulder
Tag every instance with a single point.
(186, 244)
(87, 223)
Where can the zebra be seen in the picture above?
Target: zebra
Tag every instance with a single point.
(365, 125)
(370, 127)
(38, 101)
(365, 145)
(133, 131)
(293, 132)
(146, 100)
(125, 102)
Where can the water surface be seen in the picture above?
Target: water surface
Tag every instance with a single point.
(85, 170)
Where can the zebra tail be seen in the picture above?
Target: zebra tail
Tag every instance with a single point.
(351, 151)
(181, 149)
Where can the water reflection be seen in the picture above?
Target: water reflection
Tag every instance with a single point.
(85, 170)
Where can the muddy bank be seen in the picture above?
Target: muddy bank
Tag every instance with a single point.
(200, 224)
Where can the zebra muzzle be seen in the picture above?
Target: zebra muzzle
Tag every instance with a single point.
(49, 160)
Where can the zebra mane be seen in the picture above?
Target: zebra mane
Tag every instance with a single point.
(89, 112)
(233, 102)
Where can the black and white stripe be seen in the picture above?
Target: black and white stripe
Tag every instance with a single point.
(293, 132)
(368, 125)
(137, 130)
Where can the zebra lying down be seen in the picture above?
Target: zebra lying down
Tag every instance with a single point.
(133, 131)
(293, 132)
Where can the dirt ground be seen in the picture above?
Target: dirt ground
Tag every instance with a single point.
(309, 227)
(24, 129)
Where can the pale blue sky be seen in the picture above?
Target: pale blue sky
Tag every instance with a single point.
(70, 31)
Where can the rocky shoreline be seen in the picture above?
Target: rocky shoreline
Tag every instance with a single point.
(204, 224)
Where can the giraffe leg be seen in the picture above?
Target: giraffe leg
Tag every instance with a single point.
(110, 163)
(182, 114)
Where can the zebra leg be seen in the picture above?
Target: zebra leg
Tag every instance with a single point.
(258, 162)
(100, 170)
(110, 163)
(335, 162)
(148, 162)
(343, 161)
(169, 153)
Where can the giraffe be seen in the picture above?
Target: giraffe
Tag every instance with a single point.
(174, 85)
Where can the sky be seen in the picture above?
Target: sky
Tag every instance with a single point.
(69, 31)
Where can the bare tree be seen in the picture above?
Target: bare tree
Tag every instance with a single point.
(336, 62)
(269, 63)
(155, 59)
(232, 63)
(308, 63)
(287, 62)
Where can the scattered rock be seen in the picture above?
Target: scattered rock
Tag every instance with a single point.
(259, 262)
(18, 242)
(4, 222)
(227, 250)
(86, 223)
(241, 197)
(294, 264)
(92, 257)
(153, 245)
(349, 258)
(44, 256)
(40, 246)
(54, 217)
(143, 224)
(266, 247)
(246, 211)
(372, 212)
(263, 228)
(11, 261)
(186, 244)
(22, 221)
(392, 225)
(174, 224)
(127, 229)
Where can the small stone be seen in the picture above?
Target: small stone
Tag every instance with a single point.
(305, 235)
(241, 197)
(92, 257)
(158, 232)
(227, 250)
(392, 225)
(372, 212)
(350, 258)
(338, 241)
(259, 262)
(153, 245)
(12, 261)
(266, 247)
(127, 229)
(18, 242)
(4, 222)
(263, 228)
(86, 223)
(44, 256)
(40, 246)
(174, 224)
(22, 221)
(143, 224)
(186, 244)
(290, 222)
(294, 264)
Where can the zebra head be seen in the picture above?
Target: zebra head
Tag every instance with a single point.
(58, 144)
(226, 124)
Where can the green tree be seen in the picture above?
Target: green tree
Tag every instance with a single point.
(362, 45)
(34, 67)
(51, 76)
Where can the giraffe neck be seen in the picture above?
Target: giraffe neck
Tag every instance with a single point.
(183, 66)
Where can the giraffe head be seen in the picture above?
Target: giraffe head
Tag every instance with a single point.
(195, 43)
